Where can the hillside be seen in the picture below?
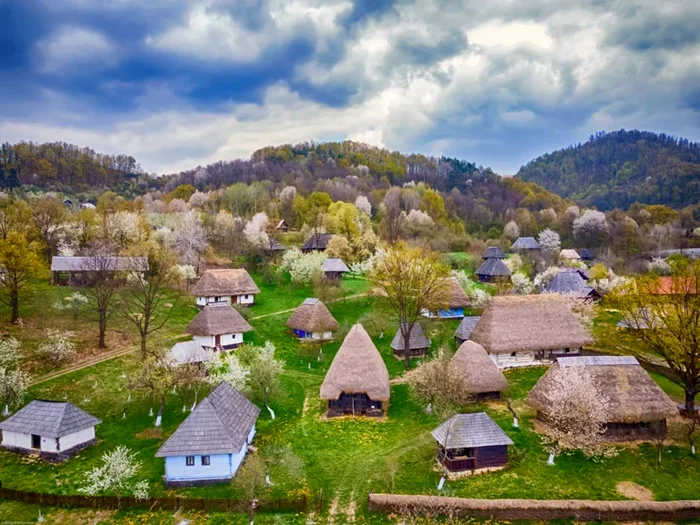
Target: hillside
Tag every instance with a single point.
(614, 170)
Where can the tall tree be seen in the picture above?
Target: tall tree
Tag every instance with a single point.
(413, 281)
(20, 261)
(49, 214)
(156, 375)
(102, 280)
(663, 314)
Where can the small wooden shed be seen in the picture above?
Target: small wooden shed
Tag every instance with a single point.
(493, 270)
(357, 382)
(418, 343)
(470, 442)
(334, 269)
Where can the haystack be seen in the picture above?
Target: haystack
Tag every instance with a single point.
(482, 376)
(457, 297)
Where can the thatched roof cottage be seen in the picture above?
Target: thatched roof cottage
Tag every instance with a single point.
(217, 326)
(492, 271)
(456, 299)
(471, 442)
(357, 382)
(418, 343)
(524, 330)
(483, 378)
(312, 321)
(233, 286)
(638, 408)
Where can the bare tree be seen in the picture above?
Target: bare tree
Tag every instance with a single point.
(437, 383)
(102, 279)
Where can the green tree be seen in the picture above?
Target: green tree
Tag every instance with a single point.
(183, 191)
(341, 218)
(20, 262)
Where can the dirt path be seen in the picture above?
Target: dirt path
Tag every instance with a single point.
(290, 310)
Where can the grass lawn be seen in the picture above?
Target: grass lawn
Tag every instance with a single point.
(344, 459)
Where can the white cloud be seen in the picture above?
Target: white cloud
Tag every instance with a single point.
(513, 34)
(70, 47)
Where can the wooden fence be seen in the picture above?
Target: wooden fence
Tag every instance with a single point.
(167, 504)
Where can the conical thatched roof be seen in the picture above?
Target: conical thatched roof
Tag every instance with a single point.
(457, 297)
(416, 341)
(494, 268)
(480, 373)
(218, 319)
(357, 368)
(312, 316)
(225, 282)
(633, 395)
(513, 323)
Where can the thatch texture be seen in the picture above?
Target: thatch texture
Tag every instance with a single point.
(312, 316)
(456, 296)
(512, 323)
(417, 340)
(357, 368)
(216, 283)
(633, 395)
(569, 255)
(480, 373)
(218, 319)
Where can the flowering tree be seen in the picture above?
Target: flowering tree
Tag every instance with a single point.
(577, 412)
(591, 227)
(186, 272)
(155, 376)
(514, 262)
(659, 266)
(549, 241)
(582, 308)
(190, 239)
(522, 285)
(227, 368)
(264, 370)
(10, 352)
(116, 474)
(419, 218)
(256, 231)
(13, 385)
(543, 279)
(511, 231)
(363, 205)
(198, 199)
(302, 267)
(438, 384)
(339, 247)
(58, 346)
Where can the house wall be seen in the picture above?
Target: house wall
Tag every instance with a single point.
(226, 340)
(203, 301)
(495, 456)
(76, 438)
(450, 313)
(508, 360)
(15, 439)
(246, 299)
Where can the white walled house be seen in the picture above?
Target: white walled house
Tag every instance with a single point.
(218, 326)
(312, 321)
(55, 430)
(210, 445)
(232, 286)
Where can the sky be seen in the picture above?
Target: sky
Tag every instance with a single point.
(182, 83)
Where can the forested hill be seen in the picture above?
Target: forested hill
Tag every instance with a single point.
(57, 166)
(614, 170)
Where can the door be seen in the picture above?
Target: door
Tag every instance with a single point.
(234, 299)
(36, 441)
(217, 340)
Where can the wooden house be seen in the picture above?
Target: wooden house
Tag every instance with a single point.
(312, 321)
(418, 343)
(586, 254)
(483, 379)
(210, 445)
(218, 326)
(471, 442)
(493, 270)
(456, 300)
(529, 329)
(56, 430)
(357, 382)
(232, 286)
(569, 256)
(525, 244)
(465, 328)
(493, 252)
(282, 226)
(316, 243)
(637, 407)
(571, 284)
(334, 269)
(76, 271)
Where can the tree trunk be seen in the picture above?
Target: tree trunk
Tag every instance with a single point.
(406, 349)
(14, 304)
(690, 401)
(144, 350)
(102, 322)
(159, 417)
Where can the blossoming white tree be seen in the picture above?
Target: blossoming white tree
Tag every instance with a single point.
(659, 266)
(190, 240)
(256, 231)
(511, 231)
(543, 279)
(116, 474)
(549, 241)
(577, 413)
(58, 346)
(590, 227)
(522, 285)
(363, 205)
(228, 368)
(514, 262)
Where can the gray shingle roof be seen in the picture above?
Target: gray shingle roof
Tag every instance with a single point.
(525, 243)
(464, 330)
(84, 264)
(470, 431)
(51, 419)
(569, 283)
(416, 341)
(493, 267)
(220, 424)
(317, 241)
(334, 265)
(493, 252)
(598, 360)
(189, 352)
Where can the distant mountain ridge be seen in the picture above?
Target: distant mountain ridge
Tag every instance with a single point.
(614, 170)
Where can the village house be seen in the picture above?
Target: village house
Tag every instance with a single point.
(210, 445)
(282, 226)
(569, 256)
(74, 271)
(586, 254)
(312, 321)
(357, 382)
(232, 286)
(56, 430)
(571, 284)
(465, 328)
(482, 378)
(493, 252)
(493, 270)
(334, 269)
(418, 343)
(316, 243)
(469, 443)
(218, 326)
(637, 407)
(525, 244)
(456, 298)
(529, 329)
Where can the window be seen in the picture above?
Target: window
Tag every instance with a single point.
(514, 354)
(189, 461)
(205, 461)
